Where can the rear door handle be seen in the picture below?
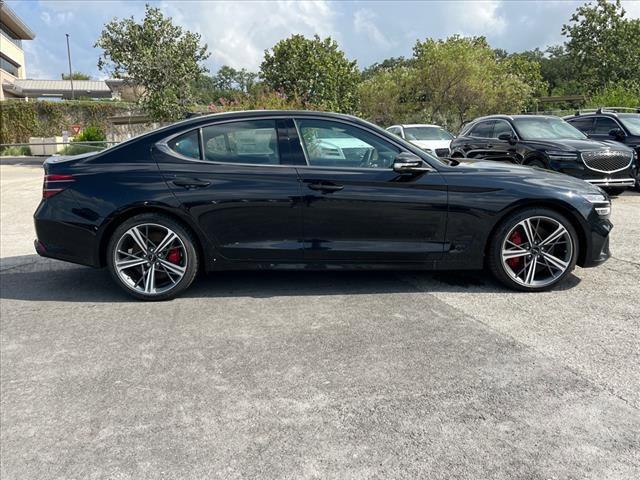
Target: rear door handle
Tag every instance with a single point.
(325, 187)
(190, 182)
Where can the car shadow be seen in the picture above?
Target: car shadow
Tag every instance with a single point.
(33, 278)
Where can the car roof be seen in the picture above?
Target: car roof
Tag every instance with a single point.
(511, 117)
(410, 125)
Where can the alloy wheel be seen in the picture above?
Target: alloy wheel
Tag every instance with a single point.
(537, 251)
(150, 259)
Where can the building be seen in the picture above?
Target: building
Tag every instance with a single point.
(12, 32)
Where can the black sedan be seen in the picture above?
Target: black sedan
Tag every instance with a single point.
(548, 142)
(309, 190)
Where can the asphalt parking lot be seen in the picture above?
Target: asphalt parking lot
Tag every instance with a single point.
(316, 375)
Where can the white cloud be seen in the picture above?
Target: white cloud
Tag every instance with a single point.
(478, 17)
(364, 22)
(56, 19)
(632, 7)
(237, 33)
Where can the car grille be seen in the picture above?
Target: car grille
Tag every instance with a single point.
(607, 161)
(442, 152)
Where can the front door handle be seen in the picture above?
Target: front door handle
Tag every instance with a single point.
(190, 183)
(325, 187)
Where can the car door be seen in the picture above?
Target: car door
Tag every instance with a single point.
(478, 140)
(502, 150)
(238, 181)
(356, 208)
(602, 127)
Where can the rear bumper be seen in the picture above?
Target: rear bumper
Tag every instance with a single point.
(62, 238)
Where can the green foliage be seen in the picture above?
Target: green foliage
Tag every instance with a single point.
(76, 76)
(92, 133)
(20, 120)
(603, 46)
(625, 94)
(448, 82)
(313, 70)
(261, 99)
(227, 83)
(157, 55)
(387, 64)
(15, 151)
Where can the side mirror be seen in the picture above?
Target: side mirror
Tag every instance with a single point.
(408, 162)
(616, 133)
(507, 137)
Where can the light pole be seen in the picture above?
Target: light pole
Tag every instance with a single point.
(73, 93)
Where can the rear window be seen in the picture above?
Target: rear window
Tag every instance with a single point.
(187, 145)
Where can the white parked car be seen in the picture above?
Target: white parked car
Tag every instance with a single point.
(431, 138)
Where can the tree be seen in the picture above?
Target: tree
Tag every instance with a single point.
(386, 65)
(76, 76)
(157, 55)
(603, 45)
(449, 82)
(314, 70)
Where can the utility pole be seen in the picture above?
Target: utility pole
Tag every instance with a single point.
(73, 93)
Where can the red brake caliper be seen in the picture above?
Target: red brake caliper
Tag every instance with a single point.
(174, 256)
(515, 238)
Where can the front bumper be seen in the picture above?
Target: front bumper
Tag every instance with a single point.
(612, 182)
(597, 249)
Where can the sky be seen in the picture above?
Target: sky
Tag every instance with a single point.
(238, 32)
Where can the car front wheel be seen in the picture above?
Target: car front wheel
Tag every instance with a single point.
(533, 250)
(152, 257)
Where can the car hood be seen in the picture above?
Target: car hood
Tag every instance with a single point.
(431, 144)
(530, 175)
(571, 145)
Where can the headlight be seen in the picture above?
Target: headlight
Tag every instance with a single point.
(595, 198)
(602, 203)
(559, 155)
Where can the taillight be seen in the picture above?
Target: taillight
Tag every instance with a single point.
(55, 183)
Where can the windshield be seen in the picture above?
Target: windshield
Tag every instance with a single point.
(426, 133)
(546, 128)
(631, 121)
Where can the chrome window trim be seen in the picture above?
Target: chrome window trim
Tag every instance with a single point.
(163, 143)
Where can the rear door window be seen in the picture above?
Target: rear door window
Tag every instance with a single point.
(585, 125)
(483, 130)
(250, 142)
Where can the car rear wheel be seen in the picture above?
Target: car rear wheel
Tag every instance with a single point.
(152, 257)
(533, 250)
(536, 163)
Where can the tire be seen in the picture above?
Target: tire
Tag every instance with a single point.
(510, 252)
(614, 192)
(137, 245)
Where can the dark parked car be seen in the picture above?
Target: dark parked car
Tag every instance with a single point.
(286, 189)
(613, 123)
(551, 143)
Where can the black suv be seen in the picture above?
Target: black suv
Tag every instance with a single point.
(551, 143)
(611, 123)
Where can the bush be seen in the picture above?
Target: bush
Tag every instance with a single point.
(15, 151)
(77, 149)
(92, 133)
(624, 94)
